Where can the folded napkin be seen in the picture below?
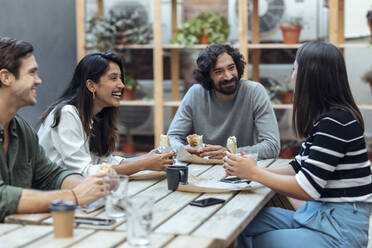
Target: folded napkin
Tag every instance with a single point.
(202, 185)
(184, 156)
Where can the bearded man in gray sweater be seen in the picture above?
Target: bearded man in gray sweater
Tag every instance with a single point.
(224, 105)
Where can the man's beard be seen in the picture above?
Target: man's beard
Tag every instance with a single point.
(227, 90)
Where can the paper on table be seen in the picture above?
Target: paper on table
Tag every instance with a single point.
(202, 185)
(184, 156)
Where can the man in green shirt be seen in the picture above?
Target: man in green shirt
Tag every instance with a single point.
(29, 181)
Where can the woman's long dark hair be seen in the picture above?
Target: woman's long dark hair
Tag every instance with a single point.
(321, 85)
(101, 130)
(207, 60)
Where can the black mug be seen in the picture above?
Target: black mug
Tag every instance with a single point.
(177, 174)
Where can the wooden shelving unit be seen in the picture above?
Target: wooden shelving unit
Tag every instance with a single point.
(336, 37)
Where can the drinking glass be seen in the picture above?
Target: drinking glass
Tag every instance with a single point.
(139, 219)
(251, 151)
(116, 201)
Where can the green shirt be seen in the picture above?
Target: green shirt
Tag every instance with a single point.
(26, 166)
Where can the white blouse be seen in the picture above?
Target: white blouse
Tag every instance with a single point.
(67, 144)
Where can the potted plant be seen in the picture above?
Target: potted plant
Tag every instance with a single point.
(100, 33)
(273, 88)
(128, 146)
(291, 29)
(286, 150)
(286, 91)
(131, 84)
(131, 27)
(120, 27)
(289, 148)
(279, 92)
(207, 27)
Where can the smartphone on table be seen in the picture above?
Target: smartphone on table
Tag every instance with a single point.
(207, 202)
(235, 180)
(94, 221)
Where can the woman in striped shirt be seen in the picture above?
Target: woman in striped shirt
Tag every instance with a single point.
(331, 172)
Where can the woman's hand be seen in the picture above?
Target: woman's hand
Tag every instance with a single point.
(91, 189)
(157, 161)
(241, 166)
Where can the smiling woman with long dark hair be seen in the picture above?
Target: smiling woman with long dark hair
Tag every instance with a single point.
(79, 130)
(332, 171)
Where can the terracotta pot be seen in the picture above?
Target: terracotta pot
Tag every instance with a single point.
(287, 97)
(291, 34)
(203, 39)
(128, 95)
(128, 148)
(286, 153)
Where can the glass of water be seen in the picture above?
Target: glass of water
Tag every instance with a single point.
(139, 220)
(251, 151)
(116, 201)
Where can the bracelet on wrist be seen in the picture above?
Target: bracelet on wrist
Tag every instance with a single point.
(76, 199)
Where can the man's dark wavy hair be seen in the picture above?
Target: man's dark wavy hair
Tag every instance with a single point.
(207, 60)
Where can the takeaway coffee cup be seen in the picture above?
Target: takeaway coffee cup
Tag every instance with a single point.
(63, 213)
(176, 174)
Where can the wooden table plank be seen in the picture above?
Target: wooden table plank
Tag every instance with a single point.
(51, 241)
(169, 202)
(26, 218)
(5, 228)
(215, 173)
(24, 235)
(137, 186)
(170, 205)
(280, 162)
(188, 241)
(229, 221)
(160, 190)
(171, 210)
(102, 239)
(266, 162)
(157, 241)
(191, 217)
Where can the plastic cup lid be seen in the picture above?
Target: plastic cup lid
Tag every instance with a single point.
(58, 205)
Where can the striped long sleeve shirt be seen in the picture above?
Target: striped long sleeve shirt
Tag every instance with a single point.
(333, 164)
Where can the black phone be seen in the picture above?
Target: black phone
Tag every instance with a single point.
(207, 202)
(94, 221)
(235, 180)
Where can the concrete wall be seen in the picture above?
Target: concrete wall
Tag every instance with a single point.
(49, 25)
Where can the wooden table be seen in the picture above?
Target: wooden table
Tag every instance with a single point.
(175, 222)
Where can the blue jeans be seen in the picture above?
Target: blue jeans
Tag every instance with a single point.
(314, 224)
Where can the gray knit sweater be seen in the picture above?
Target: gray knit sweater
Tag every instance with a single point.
(249, 117)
